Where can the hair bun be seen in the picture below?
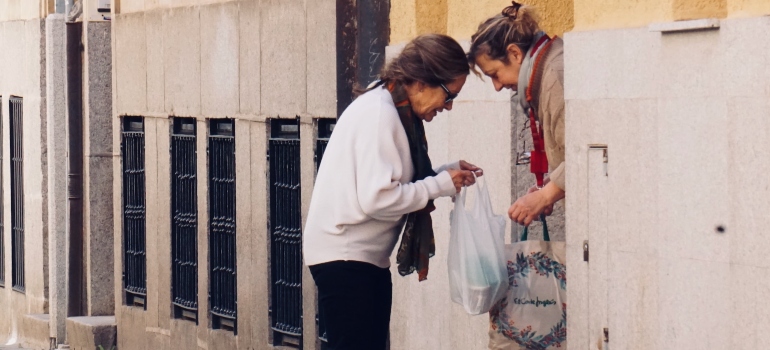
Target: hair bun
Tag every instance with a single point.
(512, 11)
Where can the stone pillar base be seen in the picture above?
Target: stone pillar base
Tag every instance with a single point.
(34, 331)
(88, 333)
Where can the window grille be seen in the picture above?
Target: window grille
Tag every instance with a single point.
(134, 212)
(184, 219)
(286, 233)
(222, 276)
(17, 194)
(325, 128)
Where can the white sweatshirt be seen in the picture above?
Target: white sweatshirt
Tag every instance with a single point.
(363, 188)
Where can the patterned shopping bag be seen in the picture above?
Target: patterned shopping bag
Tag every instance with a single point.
(533, 314)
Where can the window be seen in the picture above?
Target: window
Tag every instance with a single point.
(285, 232)
(134, 213)
(184, 219)
(325, 128)
(222, 264)
(17, 194)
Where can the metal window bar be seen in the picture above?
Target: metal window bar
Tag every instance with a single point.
(286, 233)
(184, 219)
(325, 128)
(17, 194)
(2, 226)
(134, 212)
(222, 276)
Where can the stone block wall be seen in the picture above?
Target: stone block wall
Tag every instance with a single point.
(22, 74)
(675, 222)
(250, 61)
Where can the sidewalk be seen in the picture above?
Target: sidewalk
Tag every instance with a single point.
(14, 347)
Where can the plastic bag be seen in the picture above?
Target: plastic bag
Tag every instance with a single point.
(478, 277)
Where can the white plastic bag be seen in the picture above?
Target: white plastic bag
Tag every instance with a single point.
(478, 277)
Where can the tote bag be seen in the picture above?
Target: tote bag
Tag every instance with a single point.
(533, 313)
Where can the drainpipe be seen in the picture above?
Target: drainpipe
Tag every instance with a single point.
(77, 290)
(363, 30)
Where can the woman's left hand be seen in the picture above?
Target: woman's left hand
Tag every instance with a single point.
(476, 170)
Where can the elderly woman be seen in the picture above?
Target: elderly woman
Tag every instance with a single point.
(376, 179)
(511, 49)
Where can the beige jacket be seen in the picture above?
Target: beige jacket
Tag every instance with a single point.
(549, 105)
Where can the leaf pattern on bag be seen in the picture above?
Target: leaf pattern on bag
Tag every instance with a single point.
(526, 337)
(501, 322)
(541, 263)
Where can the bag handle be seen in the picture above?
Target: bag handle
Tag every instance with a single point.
(546, 237)
(460, 197)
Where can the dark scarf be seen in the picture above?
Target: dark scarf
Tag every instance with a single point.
(417, 243)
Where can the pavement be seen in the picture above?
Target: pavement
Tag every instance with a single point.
(14, 347)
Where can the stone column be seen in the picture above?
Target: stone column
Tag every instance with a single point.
(97, 131)
(56, 69)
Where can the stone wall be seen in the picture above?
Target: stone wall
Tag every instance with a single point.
(250, 61)
(460, 19)
(22, 74)
(13, 10)
(675, 223)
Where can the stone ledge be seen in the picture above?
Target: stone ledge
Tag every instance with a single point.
(685, 26)
(34, 331)
(87, 333)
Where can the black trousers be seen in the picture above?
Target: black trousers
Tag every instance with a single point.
(355, 299)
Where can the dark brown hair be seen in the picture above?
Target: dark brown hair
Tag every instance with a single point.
(517, 24)
(432, 59)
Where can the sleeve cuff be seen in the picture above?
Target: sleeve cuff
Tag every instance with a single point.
(446, 186)
(454, 165)
(558, 177)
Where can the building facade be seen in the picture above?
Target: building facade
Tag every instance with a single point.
(159, 158)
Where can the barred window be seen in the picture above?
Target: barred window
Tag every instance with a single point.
(17, 193)
(134, 212)
(222, 273)
(184, 219)
(325, 128)
(285, 232)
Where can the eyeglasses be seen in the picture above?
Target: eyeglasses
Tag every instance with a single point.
(449, 95)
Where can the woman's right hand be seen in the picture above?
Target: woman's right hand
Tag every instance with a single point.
(549, 208)
(461, 178)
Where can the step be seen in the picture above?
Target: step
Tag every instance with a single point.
(88, 333)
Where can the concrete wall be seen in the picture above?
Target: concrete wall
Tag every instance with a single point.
(460, 18)
(246, 60)
(11, 10)
(609, 14)
(675, 224)
(22, 73)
